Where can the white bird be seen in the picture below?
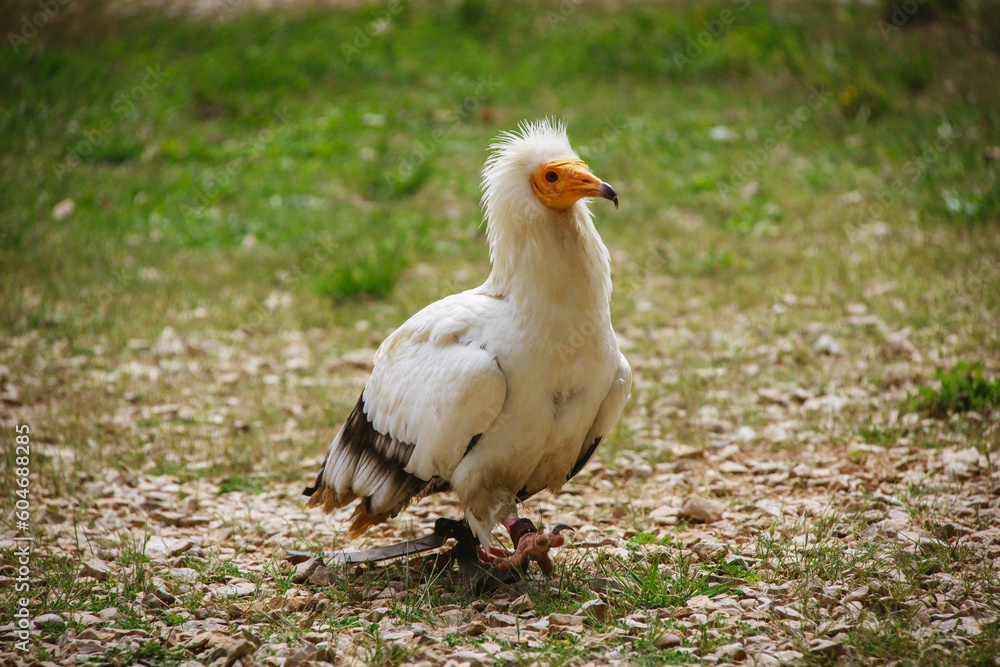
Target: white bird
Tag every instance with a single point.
(504, 390)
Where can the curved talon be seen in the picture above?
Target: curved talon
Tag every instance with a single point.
(561, 527)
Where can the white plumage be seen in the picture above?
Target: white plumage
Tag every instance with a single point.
(506, 389)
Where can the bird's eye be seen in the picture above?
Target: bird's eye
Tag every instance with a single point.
(551, 176)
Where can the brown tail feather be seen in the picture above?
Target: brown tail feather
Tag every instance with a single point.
(325, 497)
(361, 521)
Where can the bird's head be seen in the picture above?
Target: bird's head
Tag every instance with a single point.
(534, 170)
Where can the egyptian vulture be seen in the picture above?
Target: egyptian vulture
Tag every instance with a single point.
(504, 390)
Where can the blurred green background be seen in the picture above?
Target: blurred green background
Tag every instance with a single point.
(215, 156)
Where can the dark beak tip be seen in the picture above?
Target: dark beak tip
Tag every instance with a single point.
(608, 192)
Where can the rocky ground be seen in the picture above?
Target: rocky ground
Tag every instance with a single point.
(809, 553)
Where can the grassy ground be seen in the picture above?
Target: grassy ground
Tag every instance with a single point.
(205, 226)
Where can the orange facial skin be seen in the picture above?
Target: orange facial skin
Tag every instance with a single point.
(559, 184)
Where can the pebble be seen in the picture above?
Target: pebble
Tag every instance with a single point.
(734, 652)
(702, 509)
(108, 614)
(827, 344)
(95, 569)
(305, 569)
(158, 548)
(596, 609)
(733, 468)
(234, 590)
(668, 640)
(238, 649)
(569, 620)
(473, 629)
(64, 209)
(826, 648)
(45, 620)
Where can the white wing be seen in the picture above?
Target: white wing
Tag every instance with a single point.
(611, 408)
(434, 389)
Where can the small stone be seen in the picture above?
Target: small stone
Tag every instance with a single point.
(788, 613)
(184, 573)
(765, 660)
(83, 618)
(521, 604)
(722, 133)
(323, 576)
(472, 629)
(733, 468)
(64, 209)
(827, 344)
(238, 649)
(95, 569)
(45, 620)
(709, 551)
(668, 640)
(701, 509)
(166, 547)
(377, 614)
(745, 434)
(733, 652)
(150, 601)
(826, 648)
(470, 658)
(108, 614)
(775, 433)
(789, 657)
(566, 620)
(234, 590)
(859, 594)
(947, 531)
(88, 646)
(308, 653)
(499, 619)
(595, 609)
(304, 570)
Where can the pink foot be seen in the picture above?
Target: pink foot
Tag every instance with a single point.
(532, 545)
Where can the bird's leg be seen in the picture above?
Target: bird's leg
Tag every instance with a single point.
(530, 544)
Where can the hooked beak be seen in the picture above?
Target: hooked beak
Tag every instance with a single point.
(608, 192)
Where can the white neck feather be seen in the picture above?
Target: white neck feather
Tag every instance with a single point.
(551, 258)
